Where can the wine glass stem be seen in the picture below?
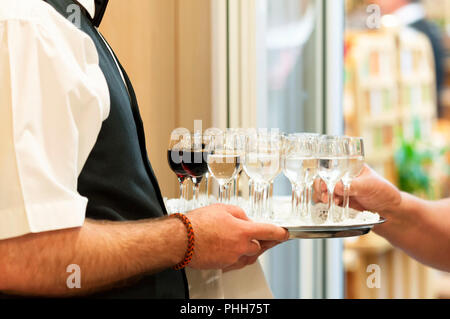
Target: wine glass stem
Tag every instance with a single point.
(266, 205)
(330, 202)
(182, 203)
(296, 200)
(222, 193)
(235, 188)
(207, 177)
(196, 191)
(308, 190)
(346, 203)
(257, 199)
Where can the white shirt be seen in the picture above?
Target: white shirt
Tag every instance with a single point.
(410, 13)
(53, 100)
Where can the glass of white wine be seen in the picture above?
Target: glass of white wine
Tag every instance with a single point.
(333, 163)
(207, 137)
(262, 165)
(224, 161)
(239, 136)
(356, 156)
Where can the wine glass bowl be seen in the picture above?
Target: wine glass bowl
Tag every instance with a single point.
(195, 163)
(179, 138)
(224, 162)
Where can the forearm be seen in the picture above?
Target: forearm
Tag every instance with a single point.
(421, 228)
(106, 252)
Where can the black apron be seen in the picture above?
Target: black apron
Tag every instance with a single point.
(117, 178)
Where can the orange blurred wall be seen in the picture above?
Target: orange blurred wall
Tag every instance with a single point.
(165, 46)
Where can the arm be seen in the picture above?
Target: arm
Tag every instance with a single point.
(421, 228)
(109, 253)
(106, 252)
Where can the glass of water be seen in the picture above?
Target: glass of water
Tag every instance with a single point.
(333, 163)
(356, 156)
(295, 159)
(262, 165)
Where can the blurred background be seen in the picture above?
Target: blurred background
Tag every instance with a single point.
(377, 69)
(397, 84)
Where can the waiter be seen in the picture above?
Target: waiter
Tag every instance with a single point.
(76, 188)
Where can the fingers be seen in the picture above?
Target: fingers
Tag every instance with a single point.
(268, 244)
(267, 232)
(242, 262)
(249, 260)
(339, 189)
(254, 248)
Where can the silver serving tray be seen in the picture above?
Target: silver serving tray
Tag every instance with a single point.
(320, 232)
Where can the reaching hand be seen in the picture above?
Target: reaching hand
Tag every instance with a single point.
(369, 192)
(372, 192)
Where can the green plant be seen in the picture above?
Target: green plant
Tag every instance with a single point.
(412, 164)
(414, 159)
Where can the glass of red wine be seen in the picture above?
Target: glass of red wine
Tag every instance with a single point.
(195, 163)
(179, 141)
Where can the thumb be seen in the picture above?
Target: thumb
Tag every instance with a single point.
(268, 232)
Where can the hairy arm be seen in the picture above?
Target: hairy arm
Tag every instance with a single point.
(106, 252)
(109, 253)
(419, 227)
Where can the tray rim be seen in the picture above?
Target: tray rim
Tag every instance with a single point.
(319, 228)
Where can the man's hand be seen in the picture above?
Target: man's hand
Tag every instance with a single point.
(419, 227)
(226, 239)
(369, 192)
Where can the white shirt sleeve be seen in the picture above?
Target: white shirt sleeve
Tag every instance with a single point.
(53, 100)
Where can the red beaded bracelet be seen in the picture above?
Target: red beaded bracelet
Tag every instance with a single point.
(191, 241)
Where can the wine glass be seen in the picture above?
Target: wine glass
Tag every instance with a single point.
(207, 137)
(179, 138)
(300, 168)
(311, 169)
(296, 153)
(262, 164)
(239, 136)
(355, 148)
(224, 161)
(332, 167)
(195, 163)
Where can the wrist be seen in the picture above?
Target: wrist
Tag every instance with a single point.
(190, 241)
(177, 232)
(401, 217)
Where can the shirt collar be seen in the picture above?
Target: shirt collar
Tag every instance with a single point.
(95, 8)
(410, 13)
(89, 5)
